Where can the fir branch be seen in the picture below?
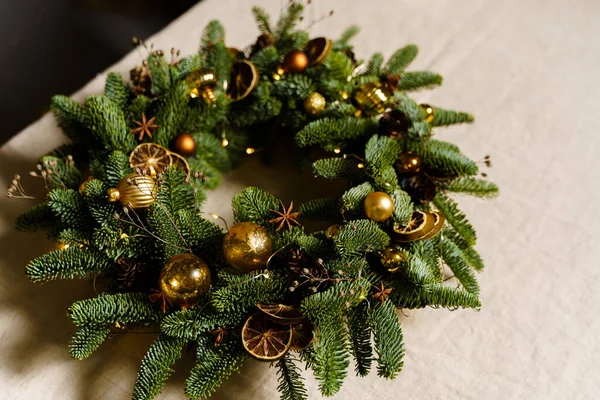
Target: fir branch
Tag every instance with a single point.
(471, 255)
(38, 217)
(171, 113)
(68, 263)
(69, 207)
(321, 208)
(116, 89)
(352, 200)
(473, 186)
(443, 117)
(437, 155)
(403, 206)
(254, 205)
(112, 308)
(265, 59)
(343, 41)
(359, 324)
(401, 59)
(456, 218)
(157, 367)
(338, 168)
(360, 236)
(381, 152)
(339, 66)
(116, 168)
(420, 80)
(455, 260)
(69, 114)
(160, 72)
(288, 19)
(213, 33)
(209, 148)
(291, 385)
(374, 65)
(107, 122)
(189, 64)
(262, 20)
(388, 339)
(86, 340)
(439, 295)
(418, 272)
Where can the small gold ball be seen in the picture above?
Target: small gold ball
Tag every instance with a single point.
(333, 231)
(137, 191)
(372, 98)
(113, 195)
(315, 103)
(392, 259)
(408, 163)
(296, 61)
(247, 247)
(184, 144)
(199, 80)
(429, 113)
(184, 279)
(379, 206)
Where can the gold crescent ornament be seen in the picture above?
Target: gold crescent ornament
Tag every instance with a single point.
(247, 247)
(185, 279)
(135, 191)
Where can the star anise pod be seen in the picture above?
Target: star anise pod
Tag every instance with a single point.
(144, 127)
(285, 217)
(221, 333)
(381, 294)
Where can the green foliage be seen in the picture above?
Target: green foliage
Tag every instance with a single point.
(69, 115)
(320, 208)
(446, 117)
(254, 205)
(171, 114)
(291, 385)
(345, 37)
(471, 256)
(473, 186)
(106, 121)
(288, 19)
(360, 236)
(262, 20)
(160, 72)
(389, 343)
(455, 260)
(402, 59)
(112, 308)
(338, 168)
(374, 65)
(456, 218)
(116, 89)
(209, 149)
(86, 340)
(67, 263)
(380, 153)
(419, 80)
(352, 200)
(331, 133)
(38, 217)
(359, 324)
(439, 156)
(156, 367)
(403, 207)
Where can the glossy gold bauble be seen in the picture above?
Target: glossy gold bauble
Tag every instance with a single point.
(408, 163)
(295, 62)
(135, 191)
(199, 80)
(184, 279)
(378, 206)
(333, 231)
(318, 49)
(392, 259)
(184, 144)
(428, 111)
(372, 98)
(315, 103)
(247, 247)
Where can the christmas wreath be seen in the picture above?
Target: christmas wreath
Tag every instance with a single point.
(124, 203)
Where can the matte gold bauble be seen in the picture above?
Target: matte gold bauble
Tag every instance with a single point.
(184, 144)
(135, 191)
(379, 206)
(371, 98)
(184, 279)
(295, 62)
(247, 247)
(408, 163)
(428, 111)
(333, 231)
(392, 259)
(199, 80)
(315, 103)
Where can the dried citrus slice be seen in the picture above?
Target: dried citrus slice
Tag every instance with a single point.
(150, 158)
(180, 162)
(302, 335)
(318, 49)
(421, 223)
(265, 339)
(281, 313)
(438, 224)
(243, 80)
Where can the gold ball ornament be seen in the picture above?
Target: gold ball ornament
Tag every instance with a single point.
(135, 191)
(184, 144)
(315, 103)
(185, 279)
(408, 163)
(199, 81)
(378, 206)
(392, 259)
(295, 62)
(428, 111)
(333, 231)
(247, 247)
(372, 98)
(84, 184)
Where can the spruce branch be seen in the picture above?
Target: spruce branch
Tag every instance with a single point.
(262, 20)
(389, 343)
(455, 260)
(69, 263)
(473, 186)
(291, 384)
(401, 59)
(359, 324)
(456, 218)
(411, 81)
(86, 340)
(112, 308)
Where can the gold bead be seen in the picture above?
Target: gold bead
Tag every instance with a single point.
(333, 231)
(136, 191)
(113, 195)
(429, 113)
(184, 144)
(296, 61)
(247, 247)
(184, 279)
(408, 163)
(372, 98)
(392, 259)
(379, 206)
(315, 103)
(199, 80)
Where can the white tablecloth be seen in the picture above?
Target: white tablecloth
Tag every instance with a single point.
(528, 70)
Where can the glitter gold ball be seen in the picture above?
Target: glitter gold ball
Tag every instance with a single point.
(247, 247)
(315, 103)
(185, 279)
(379, 206)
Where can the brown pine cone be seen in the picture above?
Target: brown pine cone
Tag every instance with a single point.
(394, 124)
(420, 188)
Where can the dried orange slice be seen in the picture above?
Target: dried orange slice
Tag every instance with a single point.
(281, 313)
(421, 223)
(180, 162)
(150, 158)
(318, 49)
(265, 339)
(243, 80)
(438, 224)
(302, 335)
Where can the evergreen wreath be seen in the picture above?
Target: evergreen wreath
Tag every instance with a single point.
(124, 202)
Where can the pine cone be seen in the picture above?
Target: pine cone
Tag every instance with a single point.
(265, 40)
(420, 188)
(295, 259)
(140, 78)
(394, 124)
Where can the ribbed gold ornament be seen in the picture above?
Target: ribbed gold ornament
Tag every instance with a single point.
(371, 98)
(135, 191)
(247, 247)
(200, 80)
(184, 279)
